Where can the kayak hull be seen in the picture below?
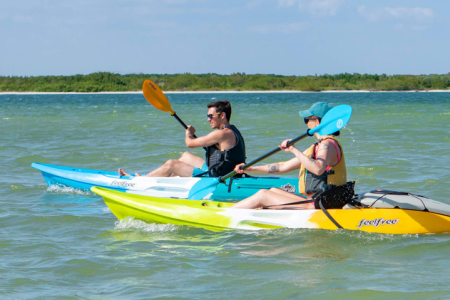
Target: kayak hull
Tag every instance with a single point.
(195, 188)
(218, 216)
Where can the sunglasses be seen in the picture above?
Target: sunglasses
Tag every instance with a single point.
(210, 116)
(307, 120)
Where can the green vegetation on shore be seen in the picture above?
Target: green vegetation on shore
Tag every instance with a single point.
(110, 82)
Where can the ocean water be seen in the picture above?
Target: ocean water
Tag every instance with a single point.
(62, 243)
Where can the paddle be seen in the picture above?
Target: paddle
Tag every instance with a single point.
(334, 120)
(156, 97)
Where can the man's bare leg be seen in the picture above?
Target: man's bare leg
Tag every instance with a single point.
(172, 167)
(182, 167)
(192, 160)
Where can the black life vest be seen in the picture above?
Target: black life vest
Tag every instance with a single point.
(223, 162)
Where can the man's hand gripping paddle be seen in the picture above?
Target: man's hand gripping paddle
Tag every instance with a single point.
(334, 120)
(155, 96)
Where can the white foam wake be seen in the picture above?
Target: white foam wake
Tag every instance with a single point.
(61, 189)
(131, 223)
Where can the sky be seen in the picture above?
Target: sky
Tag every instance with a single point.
(283, 37)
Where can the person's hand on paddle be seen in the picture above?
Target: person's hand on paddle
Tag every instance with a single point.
(284, 146)
(238, 169)
(190, 130)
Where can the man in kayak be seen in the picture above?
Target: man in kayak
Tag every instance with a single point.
(225, 148)
(322, 170)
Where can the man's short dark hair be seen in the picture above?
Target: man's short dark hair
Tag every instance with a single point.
(222, 106)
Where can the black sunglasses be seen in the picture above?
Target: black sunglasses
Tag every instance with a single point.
(307, 119)
(210, 116)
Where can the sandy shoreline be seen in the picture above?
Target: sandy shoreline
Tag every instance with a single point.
(218, 92)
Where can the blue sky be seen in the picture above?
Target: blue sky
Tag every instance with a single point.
(285, 37)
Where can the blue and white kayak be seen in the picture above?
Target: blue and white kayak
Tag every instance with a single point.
(194, 188)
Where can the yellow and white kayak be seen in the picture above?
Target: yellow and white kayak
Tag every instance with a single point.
(378, 211)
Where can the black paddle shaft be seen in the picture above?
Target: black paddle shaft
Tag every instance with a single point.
(184, 125)
(292, 142)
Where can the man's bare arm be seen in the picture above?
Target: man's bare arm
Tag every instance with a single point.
(215, 137)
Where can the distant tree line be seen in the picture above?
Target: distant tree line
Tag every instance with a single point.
(110, 82)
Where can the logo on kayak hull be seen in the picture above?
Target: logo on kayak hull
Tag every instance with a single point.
(122, 183)
(289, 188)
(377, 222)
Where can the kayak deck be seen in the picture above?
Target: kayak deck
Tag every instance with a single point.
(195, 188)
(218, 215)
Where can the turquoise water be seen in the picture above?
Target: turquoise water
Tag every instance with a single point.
(65, 243)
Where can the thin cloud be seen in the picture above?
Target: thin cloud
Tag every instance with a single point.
(253, 4)
(175, 1)
(415, 14)
(318, 8)
(321, 8)
(399, 26)
(291, 28)
(208, 11)
(419, 27)
(22, 19)
(374, 14)
(286, 3)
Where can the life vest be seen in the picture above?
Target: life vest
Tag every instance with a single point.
(223, 162)
(335, 176)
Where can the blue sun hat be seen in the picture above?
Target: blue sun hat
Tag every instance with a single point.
(318, 109)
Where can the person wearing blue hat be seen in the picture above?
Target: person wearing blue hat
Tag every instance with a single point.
(322, 170)
(318, 110)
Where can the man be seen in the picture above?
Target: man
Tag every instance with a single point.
(225, 148)
(322, 169)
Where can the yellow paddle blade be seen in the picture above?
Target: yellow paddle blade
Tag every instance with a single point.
(156, 97)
